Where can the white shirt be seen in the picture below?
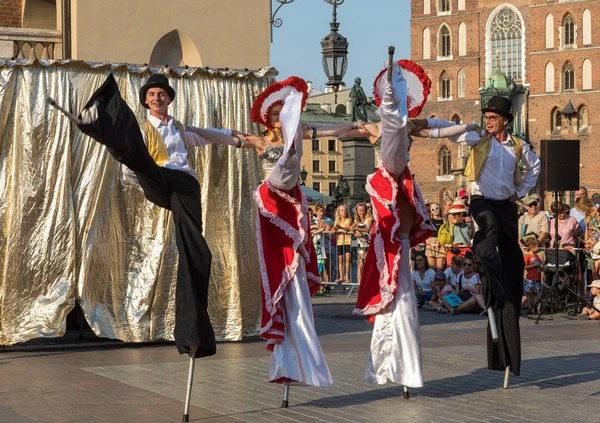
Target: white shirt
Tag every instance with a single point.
(178, 159)
(425, 283)
(496, 180)
(579, 217)
(451, 277)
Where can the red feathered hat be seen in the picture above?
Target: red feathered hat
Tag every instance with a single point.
(418, 85)
(276, 93)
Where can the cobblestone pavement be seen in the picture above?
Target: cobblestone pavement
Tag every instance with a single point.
(559, 382)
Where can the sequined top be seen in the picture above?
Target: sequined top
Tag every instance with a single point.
(269, 157)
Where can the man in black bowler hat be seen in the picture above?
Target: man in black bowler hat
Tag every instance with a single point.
(157, 157)
(497, 182)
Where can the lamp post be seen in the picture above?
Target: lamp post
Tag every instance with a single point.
(303, 175)
(334, 47)
(335, 52)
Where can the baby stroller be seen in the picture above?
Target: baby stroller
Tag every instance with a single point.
(559, 290)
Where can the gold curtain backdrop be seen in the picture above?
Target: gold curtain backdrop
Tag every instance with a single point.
(71, 229)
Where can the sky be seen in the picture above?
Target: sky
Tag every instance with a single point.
(369, 25)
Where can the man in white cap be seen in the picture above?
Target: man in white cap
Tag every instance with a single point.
(534, 221)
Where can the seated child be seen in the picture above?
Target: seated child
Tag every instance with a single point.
(440, 287)
(589, 312)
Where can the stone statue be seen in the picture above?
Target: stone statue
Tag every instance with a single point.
(342, 189)
(359, 102)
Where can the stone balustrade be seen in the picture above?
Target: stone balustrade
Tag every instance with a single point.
(24, 43)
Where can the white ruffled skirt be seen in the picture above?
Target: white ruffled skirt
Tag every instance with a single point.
(396, 342)
(299, 356)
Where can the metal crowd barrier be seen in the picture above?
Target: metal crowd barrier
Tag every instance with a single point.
(326, 246)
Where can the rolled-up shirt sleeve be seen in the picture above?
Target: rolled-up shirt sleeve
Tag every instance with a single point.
(531, 170)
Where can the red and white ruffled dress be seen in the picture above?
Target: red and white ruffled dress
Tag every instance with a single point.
(386, 292)
(288, 263)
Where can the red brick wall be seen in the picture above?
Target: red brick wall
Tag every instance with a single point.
(11, 12)
(425, 153)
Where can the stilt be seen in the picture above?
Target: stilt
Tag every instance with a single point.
(506, 377)
(493, 328)
(406, 394)
(186, 412)
(286, 395)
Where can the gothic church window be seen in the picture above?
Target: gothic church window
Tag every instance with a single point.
(445, 161)
(444, 48)
(568, 77)
(569, 30)
(445, 85)
(506, 39)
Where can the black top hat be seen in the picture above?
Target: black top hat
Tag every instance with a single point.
(499, 105)
(156, 81)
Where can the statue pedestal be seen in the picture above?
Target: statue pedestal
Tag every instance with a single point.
(359, 162)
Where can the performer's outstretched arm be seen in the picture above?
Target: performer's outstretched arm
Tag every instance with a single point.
(394, 118)
(468, 133)
(198, 137)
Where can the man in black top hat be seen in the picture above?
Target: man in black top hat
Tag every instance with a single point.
(157, 157)
(496, 184)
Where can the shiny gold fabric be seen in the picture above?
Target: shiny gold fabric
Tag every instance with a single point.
(70, 229)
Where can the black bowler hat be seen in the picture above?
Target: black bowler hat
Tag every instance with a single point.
(156, 81)
(499, 105)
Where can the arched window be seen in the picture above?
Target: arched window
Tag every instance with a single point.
(445, 161)
(555, 119)
(340, 109)
(426, 7)
(444, 42)
(462, 83)
(549, 31)
(569, 30)
(549, 77)
(586, 80)
(445, 85)
(587, 27)
(506, 38)
(444, 6)
(426, 44)
(568, 77)
(461, 4)
(456, 119)
(582, 117)
(462, 39)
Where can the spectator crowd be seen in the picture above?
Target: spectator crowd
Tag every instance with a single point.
(444, 272)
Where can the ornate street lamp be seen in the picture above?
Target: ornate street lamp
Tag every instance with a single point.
(303, 176)
(335, 51)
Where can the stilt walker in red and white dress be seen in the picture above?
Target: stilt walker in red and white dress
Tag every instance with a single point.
(288, 263)
(400, 222)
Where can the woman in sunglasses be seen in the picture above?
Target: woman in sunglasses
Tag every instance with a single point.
(435, 253)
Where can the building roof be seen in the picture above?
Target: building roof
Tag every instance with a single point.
(315, 113)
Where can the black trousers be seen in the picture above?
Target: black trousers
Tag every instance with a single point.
(115, 126)
(501, 266)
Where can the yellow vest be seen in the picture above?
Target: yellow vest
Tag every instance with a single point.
(155, 143)
(480, 152)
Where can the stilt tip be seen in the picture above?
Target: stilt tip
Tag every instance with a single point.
(186, 418)
(50, 101)
(285, 404)
(406, 394)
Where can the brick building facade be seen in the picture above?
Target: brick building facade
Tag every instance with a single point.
(11, 13)
(549, 48)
